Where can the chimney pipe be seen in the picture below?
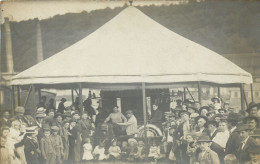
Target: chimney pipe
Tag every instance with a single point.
(9, 51)
(39, 43)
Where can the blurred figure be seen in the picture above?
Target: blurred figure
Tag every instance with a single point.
(230, 159)
(42, 102)
(61, 107)
(50, 105)
(4, 121)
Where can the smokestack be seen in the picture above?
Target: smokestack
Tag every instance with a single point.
(9, 51)
(39, 43)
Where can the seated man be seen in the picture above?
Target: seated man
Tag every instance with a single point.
(114, 118)
(131, 124)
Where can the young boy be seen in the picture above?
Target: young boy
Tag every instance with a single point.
(47, 148)
(57, 144)
(206, 156)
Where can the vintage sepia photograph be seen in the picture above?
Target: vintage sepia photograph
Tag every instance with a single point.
(130, 82)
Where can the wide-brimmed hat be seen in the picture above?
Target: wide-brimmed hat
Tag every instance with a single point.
(191, 107)
(194, 115)
(31, 129)
(234, 117)
(199, 117)
(242, 127)
(41, 110)
(204, 138)
(215, 98)
(250, 106)
(204, 107)
(63, 99)
(40, 115)
(251, 118)
(212, 122)
(181, 112)
(55, 128)
(19, 109)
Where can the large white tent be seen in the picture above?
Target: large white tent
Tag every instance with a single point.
(133, 48)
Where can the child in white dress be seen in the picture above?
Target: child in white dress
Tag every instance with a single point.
(154, 152)
(87, 155)
(114, 150)
(99, 152)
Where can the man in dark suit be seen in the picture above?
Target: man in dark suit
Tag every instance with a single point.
(234, 139)
(31, 146)
(246, 144)
(212, 128)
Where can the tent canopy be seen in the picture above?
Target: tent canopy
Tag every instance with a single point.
(133, 48)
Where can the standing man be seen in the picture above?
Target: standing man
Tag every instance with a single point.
(234, 139)
(156, 116)
(61, 107)
(31, 146)
(246, 144)
(131, 124)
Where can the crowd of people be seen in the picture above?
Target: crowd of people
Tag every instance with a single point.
(209, 134)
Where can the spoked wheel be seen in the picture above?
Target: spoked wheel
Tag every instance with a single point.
(152, 131)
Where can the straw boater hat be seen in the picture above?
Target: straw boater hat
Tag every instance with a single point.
(31, 130)
(204, 138)
(40, 115)
(41, 110)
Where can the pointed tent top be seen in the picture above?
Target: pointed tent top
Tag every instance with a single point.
(133, 48)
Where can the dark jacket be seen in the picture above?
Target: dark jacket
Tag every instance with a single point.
(30, 150)
(243, 154)
(233, 143)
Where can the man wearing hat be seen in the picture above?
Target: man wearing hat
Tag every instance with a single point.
(206, 156)
(201, 122)
(252, 121)
(185, 127)
(57, 144)
(19, 114)
(31, 146)
(254, 154)
(61, 107)
(234, 139)
(246, 144)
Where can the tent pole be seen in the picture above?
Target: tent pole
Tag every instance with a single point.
(199, 92)
(252, 93)
(18, 95)
(184, 94)
(33, 99)
(145, 120)
(13, 100)
(80, 98)
(242, 97)
(72, 96)
(39, 94)
(245, 96)
(27, 97)
(218, 91)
